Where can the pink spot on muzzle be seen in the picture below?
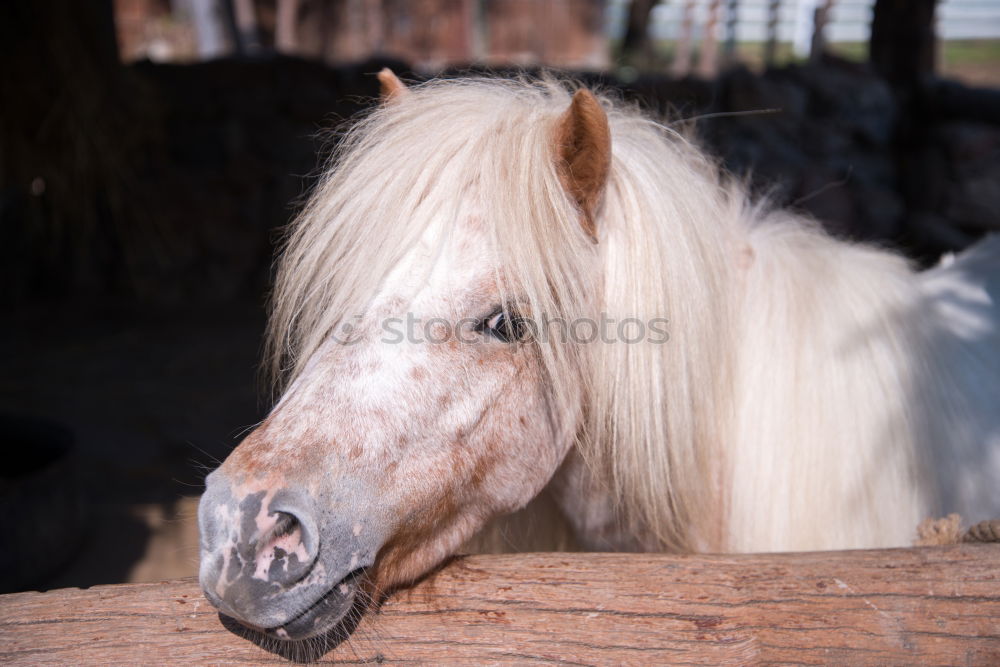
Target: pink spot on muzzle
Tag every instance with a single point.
(281, 547)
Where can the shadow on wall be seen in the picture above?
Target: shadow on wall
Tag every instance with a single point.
(143, 405)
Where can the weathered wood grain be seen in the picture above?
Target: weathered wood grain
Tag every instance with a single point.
(938, 605)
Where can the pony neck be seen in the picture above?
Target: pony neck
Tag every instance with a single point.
(825, 437)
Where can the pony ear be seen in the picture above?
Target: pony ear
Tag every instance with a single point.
(583, 155)
(392, 89)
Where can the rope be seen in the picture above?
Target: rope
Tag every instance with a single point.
(984, 531)
(937, 532)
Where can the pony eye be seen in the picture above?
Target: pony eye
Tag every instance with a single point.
(505, 327)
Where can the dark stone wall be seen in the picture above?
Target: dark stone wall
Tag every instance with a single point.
(918, 170)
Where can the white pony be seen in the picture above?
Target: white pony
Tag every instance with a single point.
(503, 288)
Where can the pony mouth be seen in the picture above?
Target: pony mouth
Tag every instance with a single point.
(323, 614)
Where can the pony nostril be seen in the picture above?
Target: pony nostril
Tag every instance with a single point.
(285, 525)
(285, 552)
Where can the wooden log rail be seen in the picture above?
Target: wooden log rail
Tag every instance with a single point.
(935, 605)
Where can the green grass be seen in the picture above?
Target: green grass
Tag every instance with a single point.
(856, 51)
(974, 61)
(954, 53)
(972, 52)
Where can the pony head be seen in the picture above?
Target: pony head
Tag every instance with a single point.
(421, 334)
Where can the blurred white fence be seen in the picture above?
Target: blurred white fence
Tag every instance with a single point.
(849, 20)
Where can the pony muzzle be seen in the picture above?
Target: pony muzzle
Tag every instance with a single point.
(270, 561)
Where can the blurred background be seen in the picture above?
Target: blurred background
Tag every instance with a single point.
(151, 150)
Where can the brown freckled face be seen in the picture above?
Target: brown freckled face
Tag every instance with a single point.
(437, 438)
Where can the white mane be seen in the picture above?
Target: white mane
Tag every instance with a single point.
(802, 391)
